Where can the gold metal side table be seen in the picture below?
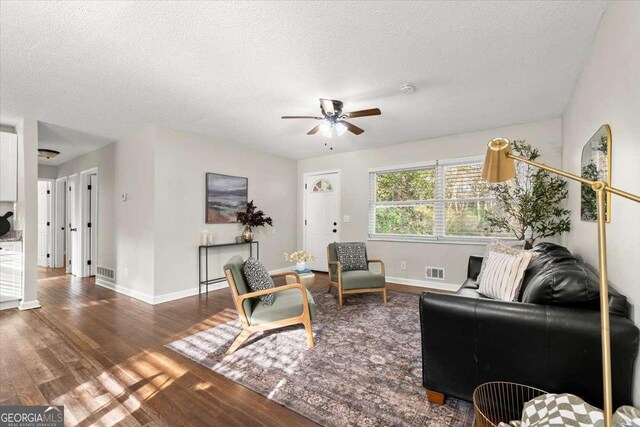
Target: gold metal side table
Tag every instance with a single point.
(498, 401)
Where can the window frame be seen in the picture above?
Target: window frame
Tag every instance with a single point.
(438, 203)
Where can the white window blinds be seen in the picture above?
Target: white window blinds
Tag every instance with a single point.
(445, 200)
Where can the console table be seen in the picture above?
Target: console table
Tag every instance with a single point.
(206, 248)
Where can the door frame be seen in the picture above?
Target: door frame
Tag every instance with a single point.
(51, 221)
(87, 232)
(58, 257)
(304, 202)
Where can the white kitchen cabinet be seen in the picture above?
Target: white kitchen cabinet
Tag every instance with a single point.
(10, 271)
(8, 167)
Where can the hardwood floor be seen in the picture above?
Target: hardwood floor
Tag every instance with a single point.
(102, 356)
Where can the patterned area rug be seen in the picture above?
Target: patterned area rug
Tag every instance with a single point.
(364, 371)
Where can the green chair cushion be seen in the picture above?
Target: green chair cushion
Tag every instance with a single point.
(361, 279)
(286, 304)
(235, 266)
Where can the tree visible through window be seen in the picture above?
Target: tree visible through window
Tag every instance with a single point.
(433, 202)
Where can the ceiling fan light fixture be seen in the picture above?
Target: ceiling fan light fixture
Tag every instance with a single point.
(340, 128)
(47, 153)
(326, 129)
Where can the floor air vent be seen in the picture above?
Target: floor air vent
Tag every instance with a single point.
(107, 273)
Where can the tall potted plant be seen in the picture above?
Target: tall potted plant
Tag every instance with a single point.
(252, 218)
(530, 200)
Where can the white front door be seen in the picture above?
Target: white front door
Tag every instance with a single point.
(44, 222)
(322, 216)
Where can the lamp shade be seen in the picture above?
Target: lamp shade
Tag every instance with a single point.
(498, 167)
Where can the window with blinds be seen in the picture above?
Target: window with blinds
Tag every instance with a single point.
(443, 200)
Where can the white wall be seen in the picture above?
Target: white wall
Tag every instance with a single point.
(181, 162)
(608, 91)
(354, 166)
(47, 171)
(134, 219)
(26, 210)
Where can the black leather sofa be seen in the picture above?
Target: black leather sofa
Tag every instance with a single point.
(549, 339)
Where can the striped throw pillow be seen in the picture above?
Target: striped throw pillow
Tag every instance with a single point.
(503, 275)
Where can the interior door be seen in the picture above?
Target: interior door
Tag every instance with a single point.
(72, 225)
(93, 220)
(60, 222)
(322, 216)
(44, 222)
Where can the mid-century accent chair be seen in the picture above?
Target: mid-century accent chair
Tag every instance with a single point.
(355, 281)
(293, 304)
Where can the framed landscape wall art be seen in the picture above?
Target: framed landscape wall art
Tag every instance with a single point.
(225, 196)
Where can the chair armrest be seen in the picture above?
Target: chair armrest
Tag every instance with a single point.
(338, 270)
(274, 290)
(287, 273)
(377, 261)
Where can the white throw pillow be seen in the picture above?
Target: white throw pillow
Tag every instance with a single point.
(503, 274)
(496, 245)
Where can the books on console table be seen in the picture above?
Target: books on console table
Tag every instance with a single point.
(306, 271)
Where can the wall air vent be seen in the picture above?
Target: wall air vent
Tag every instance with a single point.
(107, 273)
(436, 273)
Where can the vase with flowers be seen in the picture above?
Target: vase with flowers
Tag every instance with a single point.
(300, 258)
(252, 217)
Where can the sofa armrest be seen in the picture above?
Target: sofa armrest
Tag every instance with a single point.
(469, 341)
(474, 266)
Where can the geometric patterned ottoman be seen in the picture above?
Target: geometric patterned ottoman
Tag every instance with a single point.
(562, 410)
(571, 411)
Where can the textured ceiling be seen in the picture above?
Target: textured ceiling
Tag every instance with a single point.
(69, 142)
(230, 70)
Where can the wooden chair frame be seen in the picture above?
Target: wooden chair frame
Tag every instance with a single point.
(248, 330)
(342, 291)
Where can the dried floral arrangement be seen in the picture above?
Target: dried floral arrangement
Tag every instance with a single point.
(299, 256)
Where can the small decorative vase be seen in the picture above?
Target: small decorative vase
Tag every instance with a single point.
(247, 235)
(301, 265)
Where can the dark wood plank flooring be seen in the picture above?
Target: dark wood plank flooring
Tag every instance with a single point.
(102, 356)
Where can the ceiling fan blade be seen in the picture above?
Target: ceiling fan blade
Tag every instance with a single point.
(314, 130)
(364, 113)
(352, 128)
(303, 117)
(327, 106)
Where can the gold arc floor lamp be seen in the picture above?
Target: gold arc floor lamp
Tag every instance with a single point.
(499, 166)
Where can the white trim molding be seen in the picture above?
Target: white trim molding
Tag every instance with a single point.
(141, 296)
(28, 305)
(171, 296)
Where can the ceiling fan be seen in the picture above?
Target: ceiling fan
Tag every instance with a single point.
(333, 118)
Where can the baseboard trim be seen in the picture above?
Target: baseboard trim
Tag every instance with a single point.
(6, 305)
(141, 296)
(28, 305)
(171, 296)
(443, 286)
